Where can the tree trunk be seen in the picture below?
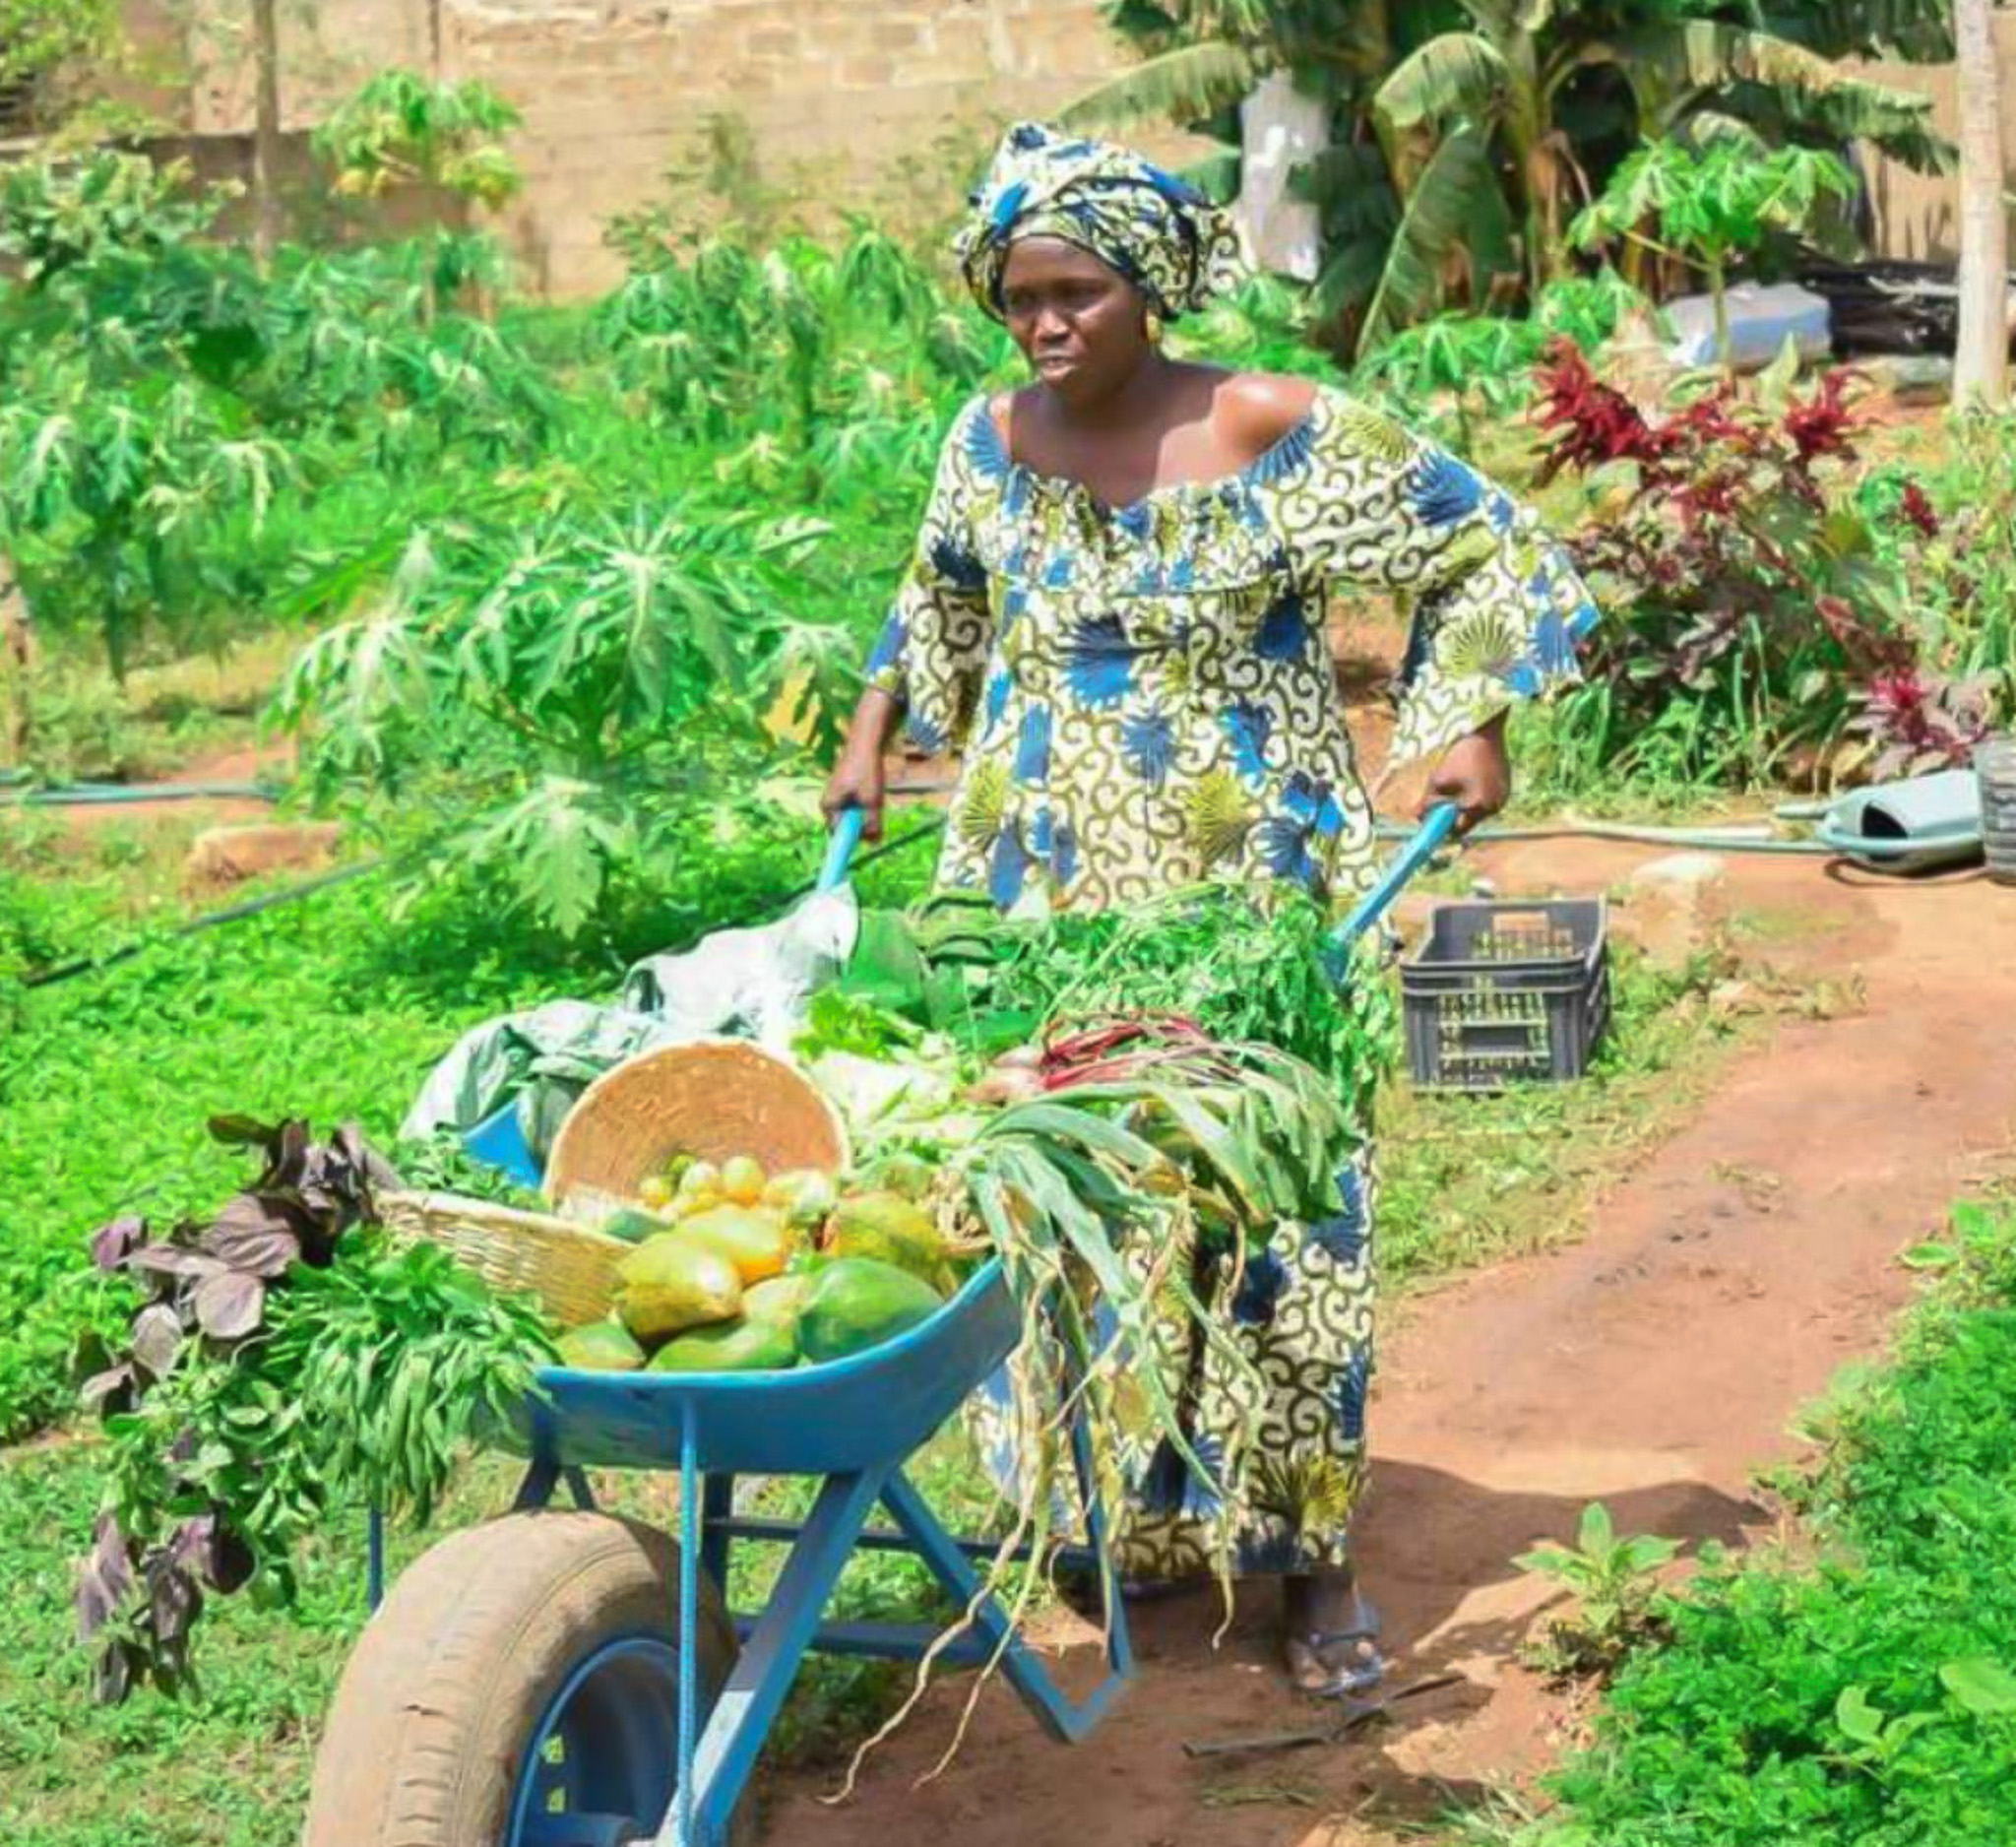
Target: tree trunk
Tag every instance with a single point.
(1981, 361)
(266, 130)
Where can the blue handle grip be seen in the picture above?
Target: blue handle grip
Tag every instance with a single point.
(1436, 826)
(840, 847)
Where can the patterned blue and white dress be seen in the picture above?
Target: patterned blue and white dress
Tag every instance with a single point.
(1145, 699)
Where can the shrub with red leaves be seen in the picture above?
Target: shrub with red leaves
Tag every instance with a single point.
(1596, 423)
(1915, 723)
(1824, 424)
(1917, 510)
(1745, 607)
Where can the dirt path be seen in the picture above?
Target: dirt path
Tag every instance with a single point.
(1653, 1366)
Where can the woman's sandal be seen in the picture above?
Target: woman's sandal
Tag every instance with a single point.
(1337, 1664)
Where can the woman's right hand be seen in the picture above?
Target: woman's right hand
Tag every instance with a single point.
(856, 782)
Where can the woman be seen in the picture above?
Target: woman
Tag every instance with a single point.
(1116, 609)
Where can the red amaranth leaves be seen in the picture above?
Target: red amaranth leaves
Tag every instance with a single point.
(1734, 561)
(1917, 510)
(1917, 721)
(1825, 424)
(1596, 423)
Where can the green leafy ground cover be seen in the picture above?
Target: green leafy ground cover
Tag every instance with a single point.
(1858, 1690)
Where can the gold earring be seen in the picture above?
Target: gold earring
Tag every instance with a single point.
(1151, 326)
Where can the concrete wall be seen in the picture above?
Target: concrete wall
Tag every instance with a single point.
(854, 102)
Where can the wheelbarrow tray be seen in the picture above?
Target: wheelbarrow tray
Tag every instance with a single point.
(868, 1411)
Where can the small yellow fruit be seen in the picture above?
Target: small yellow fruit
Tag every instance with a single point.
(701, 1177)
(741, 1179)
(655, 1192)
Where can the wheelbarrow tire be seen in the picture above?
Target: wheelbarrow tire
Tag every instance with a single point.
(440, 1700)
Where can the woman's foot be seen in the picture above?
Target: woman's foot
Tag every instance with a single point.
(1329, 1636)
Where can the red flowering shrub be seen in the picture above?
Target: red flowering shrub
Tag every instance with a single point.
(1744, 605)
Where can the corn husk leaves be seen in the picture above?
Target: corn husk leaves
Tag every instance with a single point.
(1148, 1144)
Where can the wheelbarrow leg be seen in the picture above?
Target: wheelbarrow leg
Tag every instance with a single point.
(713, 1779)
(716, 1507)
(1063, 1718)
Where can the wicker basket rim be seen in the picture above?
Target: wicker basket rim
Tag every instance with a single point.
(488, 1212)
(581, 1114)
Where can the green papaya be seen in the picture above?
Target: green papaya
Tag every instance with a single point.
(754, 1238)
(670, 1283)
(891, 1230)
(853, 1304)
(632, 1225)
(731, 1347)
(599, 1347)
(780, 1300)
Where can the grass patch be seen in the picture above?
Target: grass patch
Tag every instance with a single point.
(1468, 1181)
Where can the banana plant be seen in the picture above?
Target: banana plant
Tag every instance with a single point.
(1463, 132)
(1511, 80)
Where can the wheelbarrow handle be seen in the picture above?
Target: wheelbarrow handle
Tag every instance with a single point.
(839, 846)
(1427, 839)
(1436, 827)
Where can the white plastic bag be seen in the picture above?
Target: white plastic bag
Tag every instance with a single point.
(1760, 321)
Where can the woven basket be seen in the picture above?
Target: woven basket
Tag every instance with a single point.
(570, 1267)
(712, 1099)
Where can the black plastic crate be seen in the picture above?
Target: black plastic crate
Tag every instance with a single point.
(1507, 994)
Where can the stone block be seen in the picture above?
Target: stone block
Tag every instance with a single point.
(228, 856)
(1672, 907)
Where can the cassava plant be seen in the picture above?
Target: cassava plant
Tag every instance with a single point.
(819, 360)
(1711, 206)
(444, 139)
(567, 677)
(113, 486)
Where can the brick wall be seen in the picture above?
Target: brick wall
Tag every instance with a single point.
(884, 102)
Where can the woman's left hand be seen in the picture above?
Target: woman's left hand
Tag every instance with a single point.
(1475, 773)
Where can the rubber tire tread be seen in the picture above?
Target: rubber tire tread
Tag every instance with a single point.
(437, 1703)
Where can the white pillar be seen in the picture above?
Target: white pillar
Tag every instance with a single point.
(1280, 128)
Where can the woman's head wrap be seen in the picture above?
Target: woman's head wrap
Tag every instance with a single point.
(1157, 231)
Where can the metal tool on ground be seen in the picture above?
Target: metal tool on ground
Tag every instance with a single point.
(1354, 1713)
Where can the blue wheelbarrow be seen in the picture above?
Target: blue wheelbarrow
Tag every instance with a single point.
(565, 1677)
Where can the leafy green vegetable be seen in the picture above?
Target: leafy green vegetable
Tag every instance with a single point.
(286, 1365)
(1241, 972)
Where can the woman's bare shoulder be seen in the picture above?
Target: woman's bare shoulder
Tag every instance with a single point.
(1258, 409)
(1005, 406)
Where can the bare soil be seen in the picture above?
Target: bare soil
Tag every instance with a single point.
(1655, 1365)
